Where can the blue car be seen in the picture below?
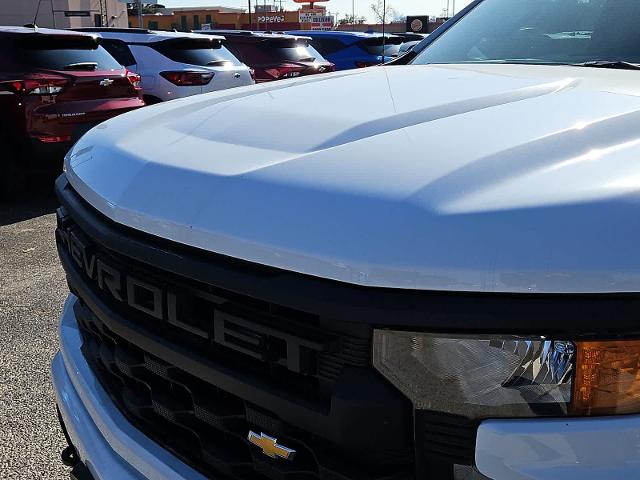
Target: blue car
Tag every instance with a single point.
(349, 50)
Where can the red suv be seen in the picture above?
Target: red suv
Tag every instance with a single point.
(274, 56)
(54, 86)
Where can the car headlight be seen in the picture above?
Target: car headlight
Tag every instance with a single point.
(508, 376)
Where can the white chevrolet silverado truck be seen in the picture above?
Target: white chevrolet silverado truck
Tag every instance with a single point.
(431, 273)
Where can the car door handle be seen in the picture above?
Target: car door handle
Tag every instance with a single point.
(236, 75)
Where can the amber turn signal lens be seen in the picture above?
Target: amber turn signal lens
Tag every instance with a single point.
(607, 378)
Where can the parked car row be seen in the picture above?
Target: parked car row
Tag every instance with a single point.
(54, 86)
(348, 50)
(57, 84)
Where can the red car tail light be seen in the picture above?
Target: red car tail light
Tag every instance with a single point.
(134, 79)
(284, 71)
(252, 72)
(46, 87)
(37, 85)
(184, 79)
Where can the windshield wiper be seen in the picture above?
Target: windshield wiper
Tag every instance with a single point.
(81, 66)
(613, 64)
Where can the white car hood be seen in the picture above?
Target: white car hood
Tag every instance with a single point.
(477, 178)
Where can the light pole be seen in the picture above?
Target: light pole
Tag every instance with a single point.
(139, 6)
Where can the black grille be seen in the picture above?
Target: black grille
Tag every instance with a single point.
(195, 351)
(196, 366)
(287, 346)
(206, 425)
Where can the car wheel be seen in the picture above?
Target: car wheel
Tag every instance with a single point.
(13, 177)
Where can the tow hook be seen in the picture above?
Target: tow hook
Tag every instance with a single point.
(79, 470)
(69, 456)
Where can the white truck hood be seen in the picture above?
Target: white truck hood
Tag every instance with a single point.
(489, 178)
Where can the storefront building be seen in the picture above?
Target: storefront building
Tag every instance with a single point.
(186, 19)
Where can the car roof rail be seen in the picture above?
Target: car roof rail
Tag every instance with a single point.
(215, 31)
(112, 29)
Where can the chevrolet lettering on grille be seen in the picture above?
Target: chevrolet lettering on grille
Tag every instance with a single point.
(240, 332)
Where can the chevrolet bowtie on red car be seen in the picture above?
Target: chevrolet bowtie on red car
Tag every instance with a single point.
(54, 86)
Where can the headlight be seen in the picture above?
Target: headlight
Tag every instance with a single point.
(499, 376)
(478, 377)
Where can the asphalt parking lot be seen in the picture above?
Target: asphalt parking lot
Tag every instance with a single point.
(32, 290)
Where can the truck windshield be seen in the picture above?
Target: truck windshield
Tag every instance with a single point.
(542, 32)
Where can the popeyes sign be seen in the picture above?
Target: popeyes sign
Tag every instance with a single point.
(271, 19)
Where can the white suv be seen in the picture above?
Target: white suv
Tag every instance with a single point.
(174, 64)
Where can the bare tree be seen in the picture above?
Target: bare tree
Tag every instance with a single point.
(380, 13)
(351, 20)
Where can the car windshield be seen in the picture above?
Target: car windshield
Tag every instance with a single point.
(541, 31)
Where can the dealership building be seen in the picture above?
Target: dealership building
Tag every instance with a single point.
(114, 13)
(64, 13)
(264, 17)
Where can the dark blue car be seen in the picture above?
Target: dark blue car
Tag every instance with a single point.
(353, 49)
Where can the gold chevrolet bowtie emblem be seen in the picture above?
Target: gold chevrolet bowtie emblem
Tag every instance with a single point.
(270, 447)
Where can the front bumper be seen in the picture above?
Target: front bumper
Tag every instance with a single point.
(596, 448)
(106, 442)
(533, 449)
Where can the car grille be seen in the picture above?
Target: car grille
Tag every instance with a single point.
(203, 424)
(246, 364)
(198, 364)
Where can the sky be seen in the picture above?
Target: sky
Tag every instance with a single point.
(341, 7)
